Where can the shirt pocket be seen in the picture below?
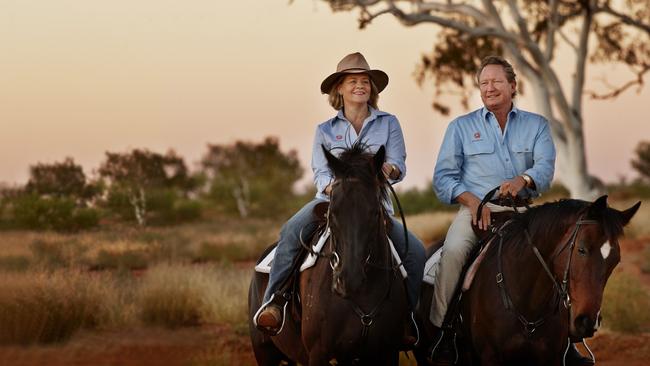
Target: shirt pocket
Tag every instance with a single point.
(480, 159)
(523, 154)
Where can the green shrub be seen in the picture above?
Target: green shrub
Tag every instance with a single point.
(625, 304)
(415, 200)
(52, 213)
(187, 210)
(85, 218)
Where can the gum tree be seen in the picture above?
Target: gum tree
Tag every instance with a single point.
(530, 34)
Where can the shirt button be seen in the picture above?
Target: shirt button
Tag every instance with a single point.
(507, 159)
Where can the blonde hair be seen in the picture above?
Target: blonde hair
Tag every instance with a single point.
(336, 100)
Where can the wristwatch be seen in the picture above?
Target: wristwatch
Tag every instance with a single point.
(527, 179)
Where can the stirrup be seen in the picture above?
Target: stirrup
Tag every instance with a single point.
(283, 311)
(438, 345)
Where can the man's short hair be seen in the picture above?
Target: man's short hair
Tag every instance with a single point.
(498, 60)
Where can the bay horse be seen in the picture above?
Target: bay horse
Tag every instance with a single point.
(352, 304)
(539, 287)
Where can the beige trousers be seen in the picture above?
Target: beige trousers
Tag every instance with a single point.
(458, 245)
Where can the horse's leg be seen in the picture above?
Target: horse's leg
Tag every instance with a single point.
(317, 357)
(266, 352)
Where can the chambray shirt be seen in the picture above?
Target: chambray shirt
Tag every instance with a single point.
(379, 128)
(476, 156)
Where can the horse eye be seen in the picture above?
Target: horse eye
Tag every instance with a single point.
(582, 251)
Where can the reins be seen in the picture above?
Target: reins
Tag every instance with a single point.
(561, 289)
(366, 318)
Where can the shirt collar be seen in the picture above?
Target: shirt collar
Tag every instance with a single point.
(513, 112)
(374, 113)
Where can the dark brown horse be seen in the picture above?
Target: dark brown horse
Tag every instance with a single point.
(540, 285)
(353, 306)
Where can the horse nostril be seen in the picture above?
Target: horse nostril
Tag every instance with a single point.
(585, 326)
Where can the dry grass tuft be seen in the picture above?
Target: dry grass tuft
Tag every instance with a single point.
(175, 296)
(625, 304)
(49, 307)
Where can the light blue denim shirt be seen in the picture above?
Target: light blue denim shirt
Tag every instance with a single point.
(379, 128)
(476, 157)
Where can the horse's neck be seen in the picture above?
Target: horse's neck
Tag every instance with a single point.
(527, 280)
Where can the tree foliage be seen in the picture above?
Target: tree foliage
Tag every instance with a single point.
(60, 179)
(252, 178)
(530, 34)
(642, 161)
(134, 176)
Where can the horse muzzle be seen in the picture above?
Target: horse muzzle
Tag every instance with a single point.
(585, 326)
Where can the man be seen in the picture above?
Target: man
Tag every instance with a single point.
(496, 145)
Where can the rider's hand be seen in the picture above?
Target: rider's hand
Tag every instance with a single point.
(512, 186)
(328, 189)
(390, 171)
(472, 202)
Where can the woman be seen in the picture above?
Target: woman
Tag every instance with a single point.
(353, 91)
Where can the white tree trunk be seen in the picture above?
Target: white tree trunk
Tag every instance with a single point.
(242, 197)
(571, 162)
(139, 203)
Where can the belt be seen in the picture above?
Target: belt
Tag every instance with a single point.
(508, 202)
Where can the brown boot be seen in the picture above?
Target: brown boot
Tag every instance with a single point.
(270, 319)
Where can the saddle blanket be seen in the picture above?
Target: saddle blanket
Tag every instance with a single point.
(265, 265)
(431, 266)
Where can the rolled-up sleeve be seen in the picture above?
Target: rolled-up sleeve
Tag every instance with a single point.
(322, 173)
(543, 159)
(396, 149)
(446, 176)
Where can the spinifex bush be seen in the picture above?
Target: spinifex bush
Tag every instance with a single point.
(173, 296)
(176, 296)
(46, 307)
(626, 304)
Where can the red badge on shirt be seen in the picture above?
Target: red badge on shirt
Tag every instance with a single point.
(338, 137)
(477, 135)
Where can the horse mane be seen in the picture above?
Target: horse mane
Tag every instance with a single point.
(359, 165)
(551, 219)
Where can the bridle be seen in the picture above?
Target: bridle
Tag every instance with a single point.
(561, 287)
(368, 317)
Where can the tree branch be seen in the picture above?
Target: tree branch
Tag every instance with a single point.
(448, 7)
(618, 90)
(552, 28)
(411, 19)
(567, 40)
(624, 18)
(581, 59)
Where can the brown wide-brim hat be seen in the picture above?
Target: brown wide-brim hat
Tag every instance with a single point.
(354, 63)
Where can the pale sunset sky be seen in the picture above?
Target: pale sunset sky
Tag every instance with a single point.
(79, 77)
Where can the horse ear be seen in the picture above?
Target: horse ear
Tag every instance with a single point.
(333, 162)
(598, 207)
(627, 215)
(379, 158)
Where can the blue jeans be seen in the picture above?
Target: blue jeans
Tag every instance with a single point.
(289, 246)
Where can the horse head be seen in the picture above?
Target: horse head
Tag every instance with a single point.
(592, 259)
(356, 214)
